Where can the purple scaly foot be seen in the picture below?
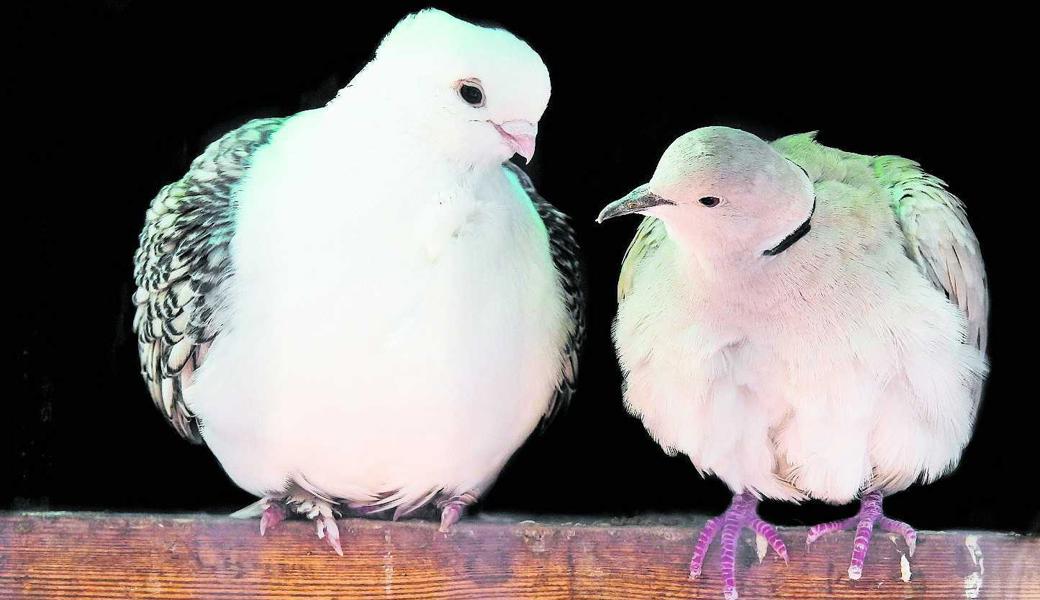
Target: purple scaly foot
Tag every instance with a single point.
(870, 514)
(452, 510)
(740, 514)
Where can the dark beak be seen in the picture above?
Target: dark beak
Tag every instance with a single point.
(637, 200)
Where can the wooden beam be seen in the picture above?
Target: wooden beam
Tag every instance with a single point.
(105, 556)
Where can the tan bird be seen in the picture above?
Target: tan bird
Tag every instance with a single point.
(802, 322)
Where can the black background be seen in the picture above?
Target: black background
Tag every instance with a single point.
(114, 101)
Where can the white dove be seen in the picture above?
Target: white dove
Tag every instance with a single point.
(363, 306)
(803, 323)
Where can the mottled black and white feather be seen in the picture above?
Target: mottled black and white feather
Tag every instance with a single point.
(183, 266)
(567, 259)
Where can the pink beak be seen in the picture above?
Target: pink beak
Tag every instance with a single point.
(519, 135)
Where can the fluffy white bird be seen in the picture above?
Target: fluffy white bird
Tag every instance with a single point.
(801, 322)
(364, 306)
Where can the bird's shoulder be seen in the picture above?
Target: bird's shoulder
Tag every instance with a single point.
(645, 244)
(566, 257)
(824, 164)
(931, 221)
(938, 238)
(183, 263)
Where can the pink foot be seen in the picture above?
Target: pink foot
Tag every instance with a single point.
(274, 513)
(740, 514)
(329, 531)
(319, 510)
(869, 514)
(452, 510)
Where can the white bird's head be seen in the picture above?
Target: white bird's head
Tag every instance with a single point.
(476, 92)
(725, 194)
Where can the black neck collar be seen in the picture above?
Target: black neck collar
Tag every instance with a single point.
(794, 236)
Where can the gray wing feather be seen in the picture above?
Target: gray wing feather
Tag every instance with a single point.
(566, 257)
(183, 265)
(940, 241)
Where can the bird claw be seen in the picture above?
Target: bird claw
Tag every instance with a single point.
(452, 510)
(870, 514)
(740, 515)
(893, 526)
(274, 513)
(329, 531)
(450, 515)
(319, 510)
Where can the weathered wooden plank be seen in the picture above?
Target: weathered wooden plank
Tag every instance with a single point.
(105, 556)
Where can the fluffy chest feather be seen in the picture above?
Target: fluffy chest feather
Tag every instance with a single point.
(804, 380)
(389, 333)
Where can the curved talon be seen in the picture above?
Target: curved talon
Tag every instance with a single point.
(274, 513)
(898, 527)
(329, 530)
(452, 510)
(305, 504)
(771, 536)
(450, 515)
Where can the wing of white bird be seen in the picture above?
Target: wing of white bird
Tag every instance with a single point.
(565, 256)
(182, 268)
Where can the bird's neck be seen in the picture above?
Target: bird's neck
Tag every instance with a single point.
(384, 128)
(363, 173)
(748, 280)
(709, 256)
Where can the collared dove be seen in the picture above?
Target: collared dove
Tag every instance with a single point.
(802, 322)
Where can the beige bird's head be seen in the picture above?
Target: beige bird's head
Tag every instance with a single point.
(476, 92)
(725, 194)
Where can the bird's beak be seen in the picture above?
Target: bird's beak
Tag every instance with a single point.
(637, 200)
(519, 135)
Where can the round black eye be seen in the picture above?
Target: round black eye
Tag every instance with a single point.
(709, 201)
(471, 94)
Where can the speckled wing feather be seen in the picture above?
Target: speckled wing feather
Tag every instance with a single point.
(940, 240)
(648, 238)
(183, 266)
(566, 258)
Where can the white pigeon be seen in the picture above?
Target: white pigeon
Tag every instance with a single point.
(364, 306)
(803, 323)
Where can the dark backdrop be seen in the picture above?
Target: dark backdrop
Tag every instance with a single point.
(114, 101)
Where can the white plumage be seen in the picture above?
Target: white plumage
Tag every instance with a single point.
(394, 309)
(801, 322)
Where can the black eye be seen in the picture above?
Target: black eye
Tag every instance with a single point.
(709, 201)
(471, 94)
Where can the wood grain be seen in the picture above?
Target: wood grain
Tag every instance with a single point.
(104, 556)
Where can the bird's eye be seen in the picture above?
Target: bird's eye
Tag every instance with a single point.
(709, 201)
(471, 93)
